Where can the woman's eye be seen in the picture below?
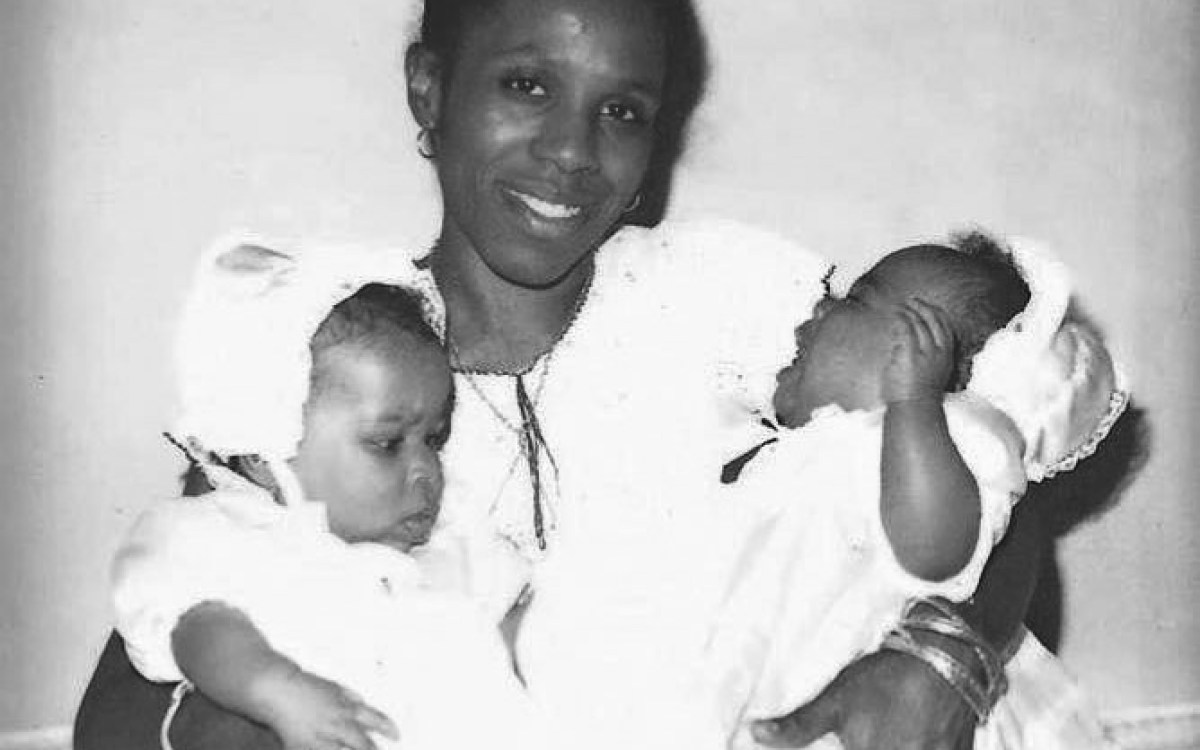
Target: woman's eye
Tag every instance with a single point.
(525, 85)
(622, 112)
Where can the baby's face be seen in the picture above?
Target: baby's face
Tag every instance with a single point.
(372, 433)
(842, 351)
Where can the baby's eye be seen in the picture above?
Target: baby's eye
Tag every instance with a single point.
(386, 445)
(437, 440)
(524, 84)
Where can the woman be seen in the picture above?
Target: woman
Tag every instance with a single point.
(551, 124)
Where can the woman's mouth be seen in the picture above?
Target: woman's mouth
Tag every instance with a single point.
(546, 209)
(547, 214)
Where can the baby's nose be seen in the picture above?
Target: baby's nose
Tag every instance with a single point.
(424, 490)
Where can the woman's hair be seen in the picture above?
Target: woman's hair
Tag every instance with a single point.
(373, 316)
(443, 27)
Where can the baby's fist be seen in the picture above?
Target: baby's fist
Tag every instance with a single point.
(922, 360)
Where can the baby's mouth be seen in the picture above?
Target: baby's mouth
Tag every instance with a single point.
(419, 526)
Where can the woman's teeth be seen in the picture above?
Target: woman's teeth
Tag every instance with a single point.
(546, 208)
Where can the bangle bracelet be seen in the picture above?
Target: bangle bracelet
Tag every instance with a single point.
(947, 667)
(951, 624)
(938, 617)
(989, 661)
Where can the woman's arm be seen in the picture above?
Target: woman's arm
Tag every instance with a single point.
(888, 700)
(225, 656)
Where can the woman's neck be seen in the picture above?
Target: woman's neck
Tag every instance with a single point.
(496, 325)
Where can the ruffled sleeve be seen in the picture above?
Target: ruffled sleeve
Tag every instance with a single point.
(179, 554)
(757, 286)
(735, 293)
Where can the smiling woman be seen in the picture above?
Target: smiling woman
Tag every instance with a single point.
(542, 129)
(542, 125)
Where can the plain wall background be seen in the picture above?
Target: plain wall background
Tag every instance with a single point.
(133, 132)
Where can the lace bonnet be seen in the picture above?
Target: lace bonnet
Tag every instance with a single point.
(1050, 372)
(242, 354)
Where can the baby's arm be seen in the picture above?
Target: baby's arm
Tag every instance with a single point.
(179, 559)
(225, 656)
(929, 499)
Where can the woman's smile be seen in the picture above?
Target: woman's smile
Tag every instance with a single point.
(546, 217)
(544, 126)
(547, 209)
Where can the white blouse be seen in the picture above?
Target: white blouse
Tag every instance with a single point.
(658, 378)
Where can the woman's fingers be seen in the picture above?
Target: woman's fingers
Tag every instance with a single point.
(367, 719)
(803, 726)
(348, 736)
(373, 720)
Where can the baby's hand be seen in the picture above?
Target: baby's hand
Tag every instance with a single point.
(312, 713)
(922, 360)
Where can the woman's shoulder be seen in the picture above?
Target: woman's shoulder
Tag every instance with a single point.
(709, 247)
(722, 274)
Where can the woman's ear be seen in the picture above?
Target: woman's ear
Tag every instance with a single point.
(423, 74)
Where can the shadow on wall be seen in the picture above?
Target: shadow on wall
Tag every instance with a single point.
(1095, 486)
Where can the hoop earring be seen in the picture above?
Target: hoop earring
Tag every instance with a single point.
(633, 205)
(425, 144)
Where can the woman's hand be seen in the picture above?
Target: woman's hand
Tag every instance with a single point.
(922, 361)
(883, 701)
(312, 713)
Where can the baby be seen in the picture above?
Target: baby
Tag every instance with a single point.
(918, 404)
(316, 401)
(889, 481)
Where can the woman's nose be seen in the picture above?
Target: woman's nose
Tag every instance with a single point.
(567, 139)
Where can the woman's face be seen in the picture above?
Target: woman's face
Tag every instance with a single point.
(543, 129)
